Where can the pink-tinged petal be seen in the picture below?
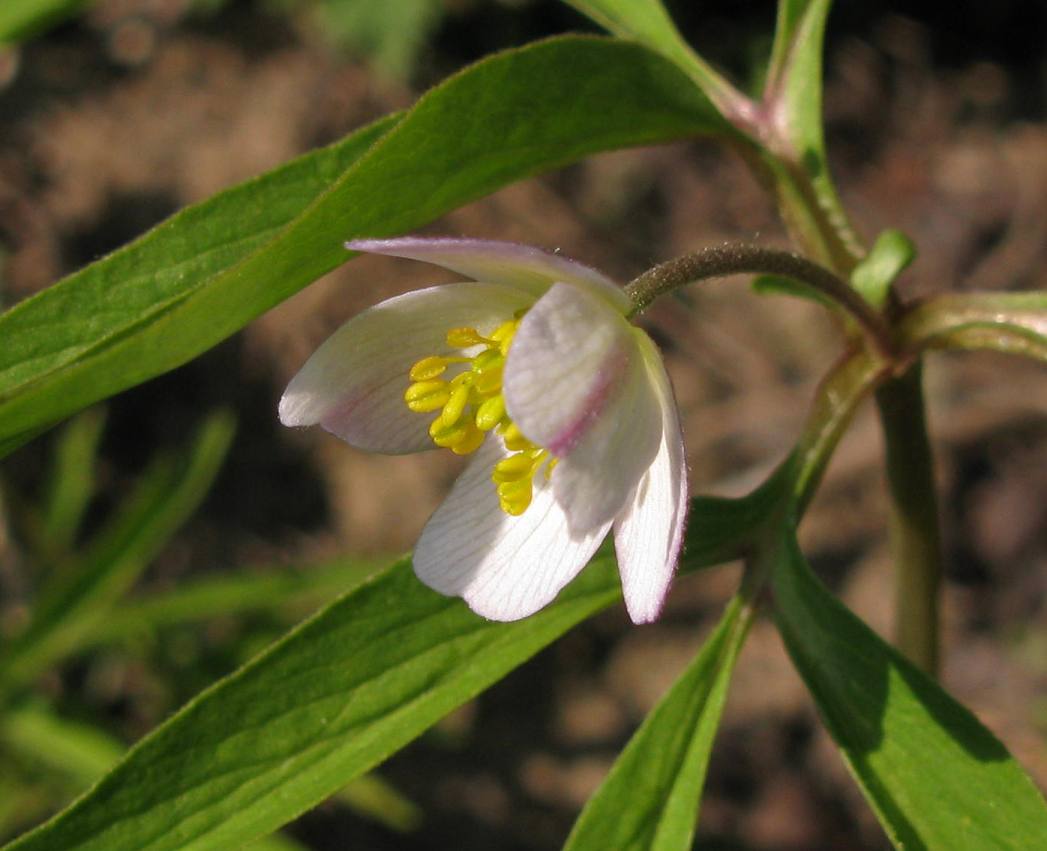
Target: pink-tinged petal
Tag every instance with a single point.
(505, 568)
(353, 385)
(575, 383)
(499, 263)
(648, 533)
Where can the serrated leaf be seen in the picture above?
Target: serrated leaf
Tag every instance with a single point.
(935, 776)
(1013, 323)
(210, 270)
(890, 255)
(649, 801)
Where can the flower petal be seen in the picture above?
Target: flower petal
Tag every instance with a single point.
(648, 533)
(505, 568)
(499, 263)
(353, 385)
(575, 383)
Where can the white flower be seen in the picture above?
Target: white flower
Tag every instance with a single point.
(533, 368)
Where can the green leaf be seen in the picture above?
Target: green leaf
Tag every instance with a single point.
(373, 797)
(80, 752)
(332, 699)
(20, 19)
(167, 494)
(649, 801)
(1013, 323)
(778, 285)
(71, 481)
(793, 97)
(720, 529)
(935, 776)
(389, 34)
(890, 255)
(647, 22)
(200, 277)
(231, 592)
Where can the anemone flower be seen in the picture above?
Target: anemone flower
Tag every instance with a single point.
(533, 369)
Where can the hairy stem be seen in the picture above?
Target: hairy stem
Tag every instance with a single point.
(915, 535)
(744, 258)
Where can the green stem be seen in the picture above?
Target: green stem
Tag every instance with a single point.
(718, 261)
(915, 536)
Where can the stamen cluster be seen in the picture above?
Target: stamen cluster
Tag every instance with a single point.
(471, 404)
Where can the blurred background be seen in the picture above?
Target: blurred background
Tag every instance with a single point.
(204, 529)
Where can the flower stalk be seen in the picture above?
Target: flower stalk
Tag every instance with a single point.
(745, 258)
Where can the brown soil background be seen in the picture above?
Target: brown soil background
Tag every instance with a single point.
(112, 123)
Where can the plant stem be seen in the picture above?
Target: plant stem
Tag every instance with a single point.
(745, 258)
(914, 529)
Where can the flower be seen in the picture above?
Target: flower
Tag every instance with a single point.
(534, 370)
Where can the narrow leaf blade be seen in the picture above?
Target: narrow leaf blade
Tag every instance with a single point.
(793, 95)
(79, 599)
(1012, 323)
(334, 698)
(649, 801)
(649, 23)
(935, 776)
(165, 299)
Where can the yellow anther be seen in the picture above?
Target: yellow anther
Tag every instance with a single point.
(489, 383)
(470, 440)
(471, 404)
(425, 396)
(514, 468)
(464, 338)
(514, 439)
(488, 360)
(490, 413)
(504, 330)
(450, 436)
(514, 497)
(428, 368)
(452, 411)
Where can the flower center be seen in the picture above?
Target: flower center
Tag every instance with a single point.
(471, 404)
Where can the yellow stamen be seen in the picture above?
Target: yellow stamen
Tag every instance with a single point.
(464, 338)
(515, 497)
(471, 404)
(431, 367)
(424, 396)
(490, 412)
(514, 468)
(470, 440)
(514, 439)
(455, 406)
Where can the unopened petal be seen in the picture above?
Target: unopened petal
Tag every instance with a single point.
(505, 568)
(353, 385)
(648, 533)
(499, 263)
(575, 383)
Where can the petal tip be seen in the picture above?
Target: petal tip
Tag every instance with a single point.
(290, 411)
